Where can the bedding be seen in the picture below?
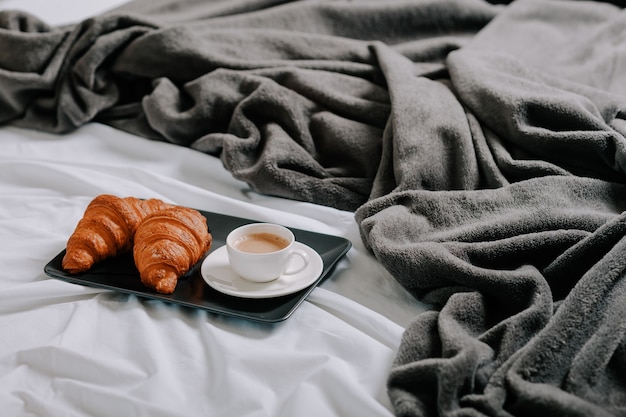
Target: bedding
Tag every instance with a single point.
(472, 152)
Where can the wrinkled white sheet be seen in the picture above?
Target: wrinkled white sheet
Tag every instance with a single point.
(71, 350)
(60, 12)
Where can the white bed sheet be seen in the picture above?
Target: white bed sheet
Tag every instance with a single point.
(71, 350)
(57, 12)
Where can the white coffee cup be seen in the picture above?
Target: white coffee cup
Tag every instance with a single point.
(262, 252)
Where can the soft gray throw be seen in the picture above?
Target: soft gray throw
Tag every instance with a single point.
(481, 146)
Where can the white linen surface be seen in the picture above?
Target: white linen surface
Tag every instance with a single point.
(71, 350)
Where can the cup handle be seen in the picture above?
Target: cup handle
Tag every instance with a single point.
(305, 258)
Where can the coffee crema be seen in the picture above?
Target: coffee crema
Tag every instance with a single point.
(260, 243)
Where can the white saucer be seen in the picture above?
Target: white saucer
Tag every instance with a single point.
(217, 272)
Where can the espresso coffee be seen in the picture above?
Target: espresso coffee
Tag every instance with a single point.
(260, 243)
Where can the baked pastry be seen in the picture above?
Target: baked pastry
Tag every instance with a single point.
(106, 229)
(168, 244)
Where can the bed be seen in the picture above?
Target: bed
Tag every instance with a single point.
(460, 165)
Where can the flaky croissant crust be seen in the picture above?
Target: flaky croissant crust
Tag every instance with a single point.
(167, 244)
(106, 229)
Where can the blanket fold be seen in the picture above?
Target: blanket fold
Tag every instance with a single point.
(482, 148)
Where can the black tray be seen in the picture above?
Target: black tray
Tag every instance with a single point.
(119, 274)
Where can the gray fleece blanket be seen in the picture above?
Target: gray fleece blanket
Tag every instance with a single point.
(481, 146)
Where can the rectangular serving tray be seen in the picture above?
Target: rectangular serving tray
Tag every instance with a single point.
(120, 274)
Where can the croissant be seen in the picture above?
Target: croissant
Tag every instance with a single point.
(168, 244)
(106, 229)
